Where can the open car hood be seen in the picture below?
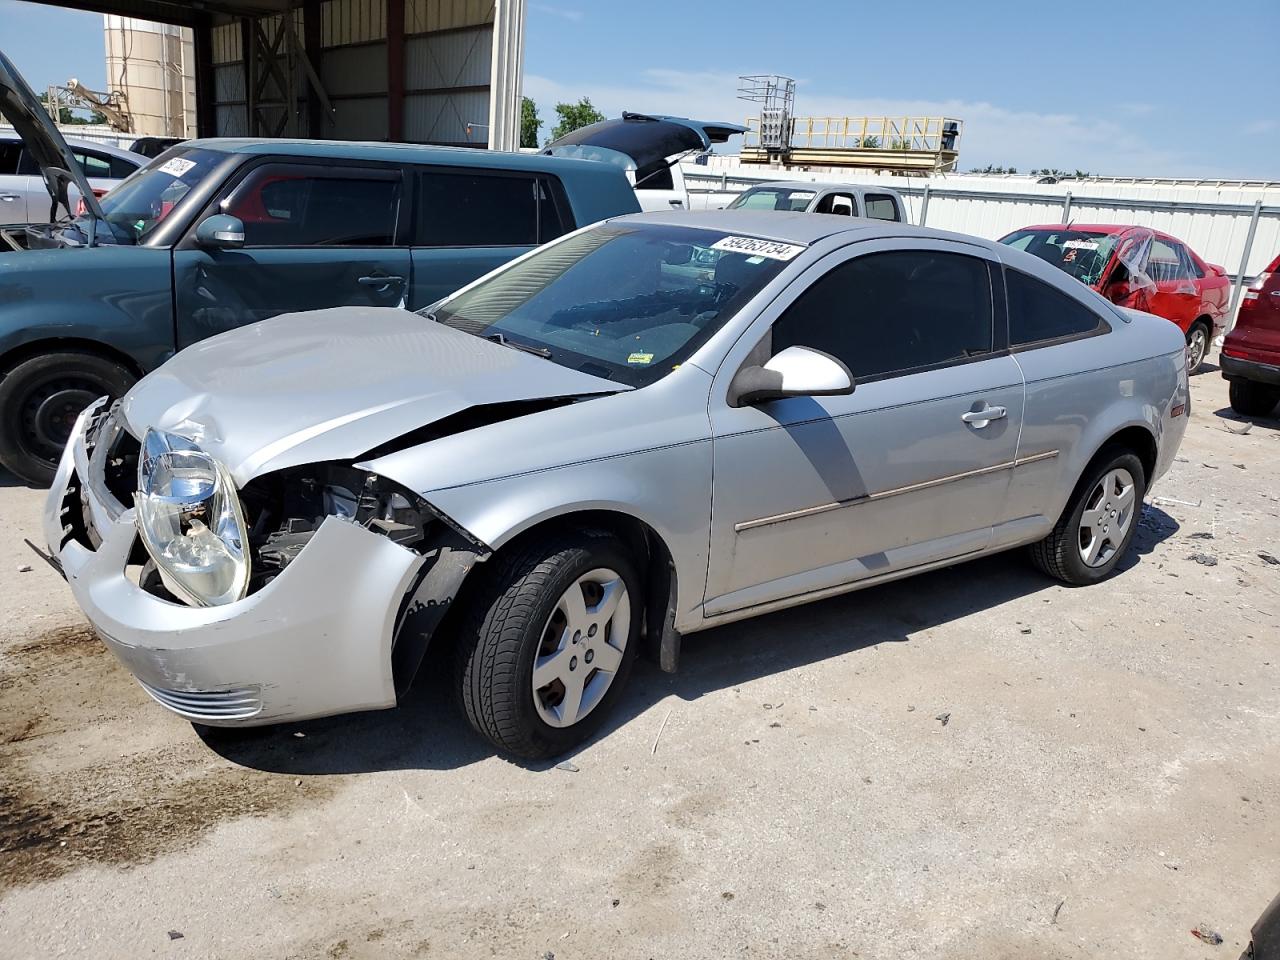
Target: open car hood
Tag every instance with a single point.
(636, 141)
(337, 384)
(42, 140)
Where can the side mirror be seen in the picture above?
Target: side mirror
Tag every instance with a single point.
(795, 372)
(220, 232)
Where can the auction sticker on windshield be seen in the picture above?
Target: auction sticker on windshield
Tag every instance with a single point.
(756, 247)
(177, 166)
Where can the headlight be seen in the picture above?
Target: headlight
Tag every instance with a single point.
(189, 516)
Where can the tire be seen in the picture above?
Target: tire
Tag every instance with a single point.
(518, 617)
(1199, 336)
(40, 399)
(1252, 399)
(1063, 553)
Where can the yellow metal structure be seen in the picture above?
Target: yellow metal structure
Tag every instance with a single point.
(909, 144)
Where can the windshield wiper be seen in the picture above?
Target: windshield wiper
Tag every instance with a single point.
(542, 352)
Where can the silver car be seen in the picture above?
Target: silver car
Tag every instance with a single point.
(648, 427)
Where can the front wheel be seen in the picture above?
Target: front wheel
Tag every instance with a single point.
(1252, 399)
(1098, 523)
(548, 642)
(1197, 345)
(40, 400)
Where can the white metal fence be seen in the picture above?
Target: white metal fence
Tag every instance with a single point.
(1234, 224)
(95, 132)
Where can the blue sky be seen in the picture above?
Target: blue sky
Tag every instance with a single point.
(1130, 88)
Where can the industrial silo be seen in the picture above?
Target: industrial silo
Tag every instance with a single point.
(152, 67)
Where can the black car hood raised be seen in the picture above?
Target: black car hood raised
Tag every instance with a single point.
(42, 140)
(636, 141)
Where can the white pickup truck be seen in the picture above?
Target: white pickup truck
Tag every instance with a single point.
(649, 148)
(847, 199)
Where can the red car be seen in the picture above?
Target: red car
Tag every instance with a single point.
(1251, 352)
(1140, 268)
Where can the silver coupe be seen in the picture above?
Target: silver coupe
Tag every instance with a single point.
(648, 427)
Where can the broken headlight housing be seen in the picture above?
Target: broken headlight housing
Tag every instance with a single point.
(189, 516)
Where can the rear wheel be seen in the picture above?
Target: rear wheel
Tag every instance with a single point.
(1253, 399)
(1098, 523)
(40, 399)
(1197, 345)
(548, 642)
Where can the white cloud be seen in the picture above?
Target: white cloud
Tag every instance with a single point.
(992, 133)
(1259, 127)
(564, 13)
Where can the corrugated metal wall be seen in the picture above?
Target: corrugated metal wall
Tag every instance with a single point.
(447, 86)
(229, 95)
(448, 63)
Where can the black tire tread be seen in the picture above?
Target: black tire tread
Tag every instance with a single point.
(13, 454)
(1252, 399)
(1049, 555)
(491, 633)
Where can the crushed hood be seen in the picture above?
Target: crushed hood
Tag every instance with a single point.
(40, 136)
(334, 384)
(637, 141)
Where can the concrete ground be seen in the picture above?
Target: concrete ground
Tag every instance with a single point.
(972, 763)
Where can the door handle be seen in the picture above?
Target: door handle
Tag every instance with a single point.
(7, 197)
(980, 418)
(380, 282)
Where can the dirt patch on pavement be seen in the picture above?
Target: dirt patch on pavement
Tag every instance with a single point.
(92, 771)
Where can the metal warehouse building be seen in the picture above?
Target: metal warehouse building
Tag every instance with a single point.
(425, 71)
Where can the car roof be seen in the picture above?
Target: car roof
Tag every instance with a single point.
(111, 150)
(1108, 228)
(800, 228)
(824, 185)
(391, 153)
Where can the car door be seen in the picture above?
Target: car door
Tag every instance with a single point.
(315, 236)
(467, 222)
(1175, 297)
(13, 186)
(911, 468)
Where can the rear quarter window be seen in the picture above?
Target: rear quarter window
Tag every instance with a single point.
(880, 206)
(1040, 315)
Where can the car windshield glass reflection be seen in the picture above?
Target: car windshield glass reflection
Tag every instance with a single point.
(770, 198)
(628, 302)
(1080, 253)
(135, 207)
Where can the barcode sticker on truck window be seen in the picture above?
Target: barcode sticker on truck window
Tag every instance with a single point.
(758, 248)
(177, 166)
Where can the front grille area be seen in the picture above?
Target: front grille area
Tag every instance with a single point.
(239, 703)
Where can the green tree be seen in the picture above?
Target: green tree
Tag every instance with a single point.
(575, 115)
(529, 122)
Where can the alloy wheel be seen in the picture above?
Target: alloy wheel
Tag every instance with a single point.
(1108, 514)
(1197, 347)
(582, 647)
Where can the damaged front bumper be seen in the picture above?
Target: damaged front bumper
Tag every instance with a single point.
(317, 640)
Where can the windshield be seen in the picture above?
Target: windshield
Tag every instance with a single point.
(135, 207)
(1081, 253)
(627, 302)
(773, 198)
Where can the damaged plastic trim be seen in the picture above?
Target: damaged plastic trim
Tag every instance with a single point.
(425, 604)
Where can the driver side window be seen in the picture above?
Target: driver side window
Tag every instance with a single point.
(284, 205)
(885, 314)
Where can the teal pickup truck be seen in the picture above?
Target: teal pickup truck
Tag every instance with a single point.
(214, 234)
